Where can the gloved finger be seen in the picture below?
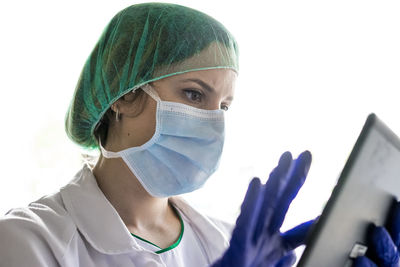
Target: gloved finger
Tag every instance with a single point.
(272, 189)
(297, 235)
(364, 262)
(287, 260)
(383, 248)
(297, 177)
(394, 225)
(250, 208)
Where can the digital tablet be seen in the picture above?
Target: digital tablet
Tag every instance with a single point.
(366, 190)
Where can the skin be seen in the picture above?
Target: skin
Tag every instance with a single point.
(144, 215)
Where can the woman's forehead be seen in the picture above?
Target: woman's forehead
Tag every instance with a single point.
(218, 79)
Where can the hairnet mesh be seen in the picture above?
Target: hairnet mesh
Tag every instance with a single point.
(144, 43)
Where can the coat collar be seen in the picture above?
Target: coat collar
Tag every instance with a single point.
(214, 240)
(95, 217)
(100, 224)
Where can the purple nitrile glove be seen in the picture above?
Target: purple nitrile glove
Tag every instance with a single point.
(256, 239)
(384, 244)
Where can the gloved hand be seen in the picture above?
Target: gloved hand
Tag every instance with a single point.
(256, 239)
(383, 244)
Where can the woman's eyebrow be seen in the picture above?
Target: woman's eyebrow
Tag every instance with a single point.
(201, 83)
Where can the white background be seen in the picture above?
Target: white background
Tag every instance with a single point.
(310, 73)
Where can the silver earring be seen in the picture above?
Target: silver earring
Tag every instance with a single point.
(117, 115)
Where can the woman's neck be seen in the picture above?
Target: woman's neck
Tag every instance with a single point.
(143, 214)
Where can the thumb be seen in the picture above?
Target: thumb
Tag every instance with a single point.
(297, 235)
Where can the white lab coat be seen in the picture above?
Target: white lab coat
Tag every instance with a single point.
(78, 227)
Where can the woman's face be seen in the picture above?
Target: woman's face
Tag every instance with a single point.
(205, 89)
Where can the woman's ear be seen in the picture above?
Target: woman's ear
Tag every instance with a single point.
(131, 104)
(114, 107)
(129, 97)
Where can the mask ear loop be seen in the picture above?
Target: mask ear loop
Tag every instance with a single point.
(151, 92)
(108, 154)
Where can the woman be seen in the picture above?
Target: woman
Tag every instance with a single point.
(152, 98)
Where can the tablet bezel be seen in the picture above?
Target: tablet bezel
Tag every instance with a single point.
(372, 123)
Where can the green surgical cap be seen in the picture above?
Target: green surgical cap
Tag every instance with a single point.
(144, 43)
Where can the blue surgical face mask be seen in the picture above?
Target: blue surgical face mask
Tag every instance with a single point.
(183, 152)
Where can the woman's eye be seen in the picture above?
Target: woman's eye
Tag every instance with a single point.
(193, 95)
